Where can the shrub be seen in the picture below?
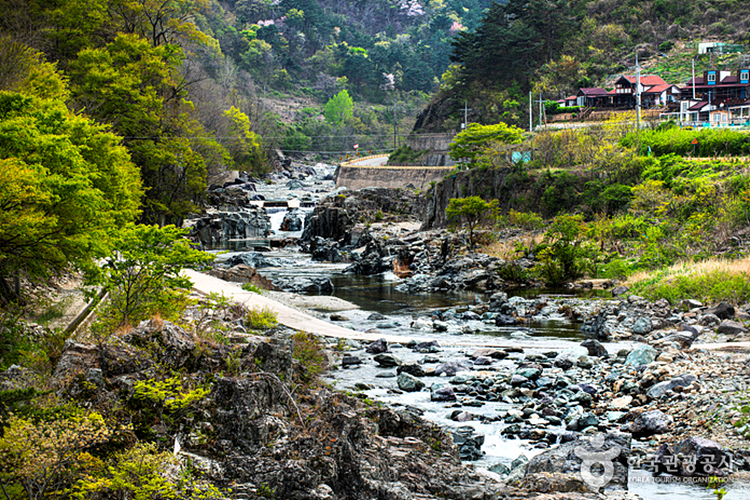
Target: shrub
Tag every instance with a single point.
(308, 350)
(469, 212)
(261, 318)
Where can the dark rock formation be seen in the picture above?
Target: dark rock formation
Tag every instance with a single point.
(218, 228)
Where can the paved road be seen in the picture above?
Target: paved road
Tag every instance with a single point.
(376, 161)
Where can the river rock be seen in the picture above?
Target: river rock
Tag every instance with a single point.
(642, 326)
(414, 369)
(483, 361)
(450, 368)
(569, 358)
(641, 355)
(721, 310)
(387, 360)
(325, 250)
(662, 388)
(570, 465)
(620, 290)
(595, 348)
(649, 423)
(257, 260)
(428, 347)
(348, 360)
(730, 327)
(328, 221)
(409, 383)
(315, 285)
(490, 353)
(702, 457)
(377, 347)
(243, 223)
(469, 444)
(442, 393)
(291, 221)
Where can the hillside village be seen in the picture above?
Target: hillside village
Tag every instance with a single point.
(718, 98)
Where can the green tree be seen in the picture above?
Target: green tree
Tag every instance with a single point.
(134, 87)
(473, 143)
(339, 108)
(469, 212)
(143, 276)
(563, 252)
(245, 145)
(66, 186)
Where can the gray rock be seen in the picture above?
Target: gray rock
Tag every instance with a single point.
(377, 347)
(412, 369)
(620, 290)
(483, 361)
(595, 348)
(450, 368)
(409, 383)
(570, 460)
(292, 221)
(721, 310)
(469, 444)
(441, 394)
(641, 355)
(387, 360)
(660, 389)
(348, 360)
(729, 327)
(649, 423)
(315, 285)
(642, 326)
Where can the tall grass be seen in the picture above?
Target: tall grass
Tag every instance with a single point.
(709, 281)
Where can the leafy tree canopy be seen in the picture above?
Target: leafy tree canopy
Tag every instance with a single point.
(472, 142)
(66, 185)
(339, 108)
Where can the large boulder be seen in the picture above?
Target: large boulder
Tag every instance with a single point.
(291, 221)
(649, 423)
(314, 285)
(572, 466)
(218, 228)
(332, 222)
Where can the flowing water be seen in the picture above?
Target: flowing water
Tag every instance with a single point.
(400, 311)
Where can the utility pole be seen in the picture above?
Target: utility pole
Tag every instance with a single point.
(531, 114)
(540, 110)
(637, 94)
(694, 78)
(465, 124)
(394, 124)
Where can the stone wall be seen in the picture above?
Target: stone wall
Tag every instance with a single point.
(355, 177)
(437, 146)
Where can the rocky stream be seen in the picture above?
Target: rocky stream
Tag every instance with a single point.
(532, 385)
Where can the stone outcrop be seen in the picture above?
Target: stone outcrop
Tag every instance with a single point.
(219, 228)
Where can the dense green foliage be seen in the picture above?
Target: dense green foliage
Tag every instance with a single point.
(143, 277)
(675, 140)
(477, 140)
(469, 213)
(66, 186)
(405, 155)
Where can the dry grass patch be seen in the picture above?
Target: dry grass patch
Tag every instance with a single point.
(712, 280)
(507, 249)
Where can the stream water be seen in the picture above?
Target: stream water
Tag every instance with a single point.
(399, 311)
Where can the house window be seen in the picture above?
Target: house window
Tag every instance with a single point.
(712, 77)
(745, 75)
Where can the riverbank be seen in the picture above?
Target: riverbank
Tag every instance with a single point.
(661, 396)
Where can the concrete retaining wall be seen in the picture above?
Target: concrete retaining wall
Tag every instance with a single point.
(437, 146)
(355, 177)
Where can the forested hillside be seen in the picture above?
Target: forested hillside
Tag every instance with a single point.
(556, 46)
